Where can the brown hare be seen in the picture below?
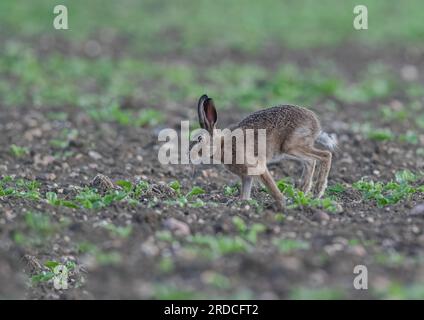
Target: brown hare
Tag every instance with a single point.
(291, 132)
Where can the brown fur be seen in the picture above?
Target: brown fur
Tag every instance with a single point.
(291, 131)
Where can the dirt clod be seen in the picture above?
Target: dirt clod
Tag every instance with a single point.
(102, 183)
(418, 209)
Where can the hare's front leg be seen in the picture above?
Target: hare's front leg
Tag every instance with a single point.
(273, 189)
(246, 187)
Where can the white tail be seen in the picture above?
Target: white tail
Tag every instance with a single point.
(328, 141)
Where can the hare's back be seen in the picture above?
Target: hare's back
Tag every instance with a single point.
(281, 118)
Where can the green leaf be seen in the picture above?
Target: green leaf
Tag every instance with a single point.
(337, 188)
(195, 191)
(240, 224)
(51, 198)
(42, 277)
(126, 185)
(69, 204)
(405, 176)
(175, 185)
(51, 264)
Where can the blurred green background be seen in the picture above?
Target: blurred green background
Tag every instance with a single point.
(120, 57)
(166, 26)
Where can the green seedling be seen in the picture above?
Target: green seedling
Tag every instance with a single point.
(354, 242)
(398, 291)
(187, 199)
(133, 192)
(38, 229)
(39, 223)
(390, 115)
(46, 276)
(18, 151)
(336, 189)
(217, 280)
(140, 188)
(385, 134)
(91, 199)
(64, 138)
(409, 137)
(300, 199)
(170, 292)
(420, 121)
(290, 245)
(380, 134)
(102, 257)
(57, 115)
(231, 191)
(392, 192)
(165, 236)
(176, 186)
(219, 245)
(108, 258)
(195, 192)
(149, 117)
(166, 265)
(126, 185)
(216, 246)
(248, 233)
(392, 259)
(114, 112)
(122, 232)
(279, 217)
(54, 200)
(316, 294)
(19, 188)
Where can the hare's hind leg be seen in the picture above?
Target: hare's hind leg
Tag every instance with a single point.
(307, 174)
(325, 167)
(308, 153)
(272, 188)
(246, 187)
(308, 168)
(308, 164)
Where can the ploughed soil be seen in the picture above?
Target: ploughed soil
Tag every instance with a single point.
(389, 241)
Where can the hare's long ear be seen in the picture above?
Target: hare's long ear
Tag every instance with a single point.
(207, 113)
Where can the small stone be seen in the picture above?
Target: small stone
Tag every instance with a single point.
(320, 216)
(291, 263)
(43, 160)
(33, 133)
(409, 72)
(358, 250)
(50, 176)
(92, 48)
(178, 227)
(333, 248)
(94, 155)
(418, 209)
(415, 229)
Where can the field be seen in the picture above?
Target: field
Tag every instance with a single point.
(81, 184)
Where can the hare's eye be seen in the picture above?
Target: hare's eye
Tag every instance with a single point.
(199, 138)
